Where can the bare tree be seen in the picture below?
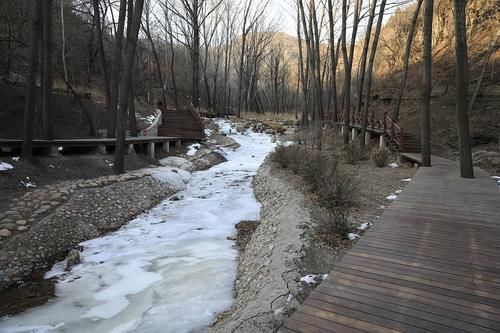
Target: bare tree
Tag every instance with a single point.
(102, 56)
(146, 28)
(29, 106)
(369, 72)
(466, 169)
(48, 70)
(249, 19)
(409, 41)
(333, 58)
(364, 55)
(348, 60)
(427, 85)
(125, 86)
(116, 69)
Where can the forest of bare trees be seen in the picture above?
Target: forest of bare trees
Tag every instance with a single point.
(226, 57)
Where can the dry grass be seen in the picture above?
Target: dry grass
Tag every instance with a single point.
(269, 117)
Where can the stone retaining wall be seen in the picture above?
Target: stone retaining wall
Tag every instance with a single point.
(46, 223)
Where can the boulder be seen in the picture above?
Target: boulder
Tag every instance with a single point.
(72, 259)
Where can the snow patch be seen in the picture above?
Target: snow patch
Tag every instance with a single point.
(311, 279)
(364, 226)
(192, 149)
(352, 236)
(391, 197)
(5, 166)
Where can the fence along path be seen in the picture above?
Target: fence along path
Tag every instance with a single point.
(431, 263)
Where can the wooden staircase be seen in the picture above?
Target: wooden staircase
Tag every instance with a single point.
(411, 144)
(185, 124)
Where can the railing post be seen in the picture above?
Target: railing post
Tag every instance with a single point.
(401, 139)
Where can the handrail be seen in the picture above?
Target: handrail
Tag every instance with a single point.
(391, 128)
(196, 116)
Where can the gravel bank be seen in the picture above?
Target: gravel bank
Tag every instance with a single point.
(77, 212)
(267, 285)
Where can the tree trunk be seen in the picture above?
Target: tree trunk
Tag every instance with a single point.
(132, 120)
(29, 106)
(409, 42)
(347, 75)
(116, 69)
(333, 60)
(240, 80)
(102, 56)
(466, 169)
(196, 56)
(369, 72)
(362, 67)
(425, 117)
(48, 76)
(125, 86)
(483, 70)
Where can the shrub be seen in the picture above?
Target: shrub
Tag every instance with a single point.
(288, 157)
(380, 156)
(335, 189)
(352, 153)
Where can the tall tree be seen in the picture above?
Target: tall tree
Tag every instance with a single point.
(116, 69)
(466, 169)
(101, 54)
(333, 58)
(364, 55)
(369, 73)
(409, 43)
(425, 118)
(348, 60)
(48, 71)
(125, 86)
(29, 106)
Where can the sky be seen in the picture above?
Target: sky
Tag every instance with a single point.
(282, 11)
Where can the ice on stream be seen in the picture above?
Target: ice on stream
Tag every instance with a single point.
(169, 270)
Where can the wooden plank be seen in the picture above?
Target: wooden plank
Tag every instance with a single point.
(418, 318)
(458, 314)
(430, 263)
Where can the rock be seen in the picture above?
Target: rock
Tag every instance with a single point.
(22, 228)
(5, 233)
(8, 226)
(178, 162)
(208, 160)
(72, 259)
(21, 222)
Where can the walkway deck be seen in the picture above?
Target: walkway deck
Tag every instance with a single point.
(99, 143)
(431, 263)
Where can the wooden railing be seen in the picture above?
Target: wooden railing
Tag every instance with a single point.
(196, 116)
(386, 124)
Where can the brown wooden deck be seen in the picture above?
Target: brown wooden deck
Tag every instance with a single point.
(431, 263)
(91, 142)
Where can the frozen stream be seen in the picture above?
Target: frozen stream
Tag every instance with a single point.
(169, 270)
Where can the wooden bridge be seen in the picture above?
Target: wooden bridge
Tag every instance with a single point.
(385, 128)
(99, 144)
(431, 263)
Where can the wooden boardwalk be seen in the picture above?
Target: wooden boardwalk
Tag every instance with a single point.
(431, 263)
